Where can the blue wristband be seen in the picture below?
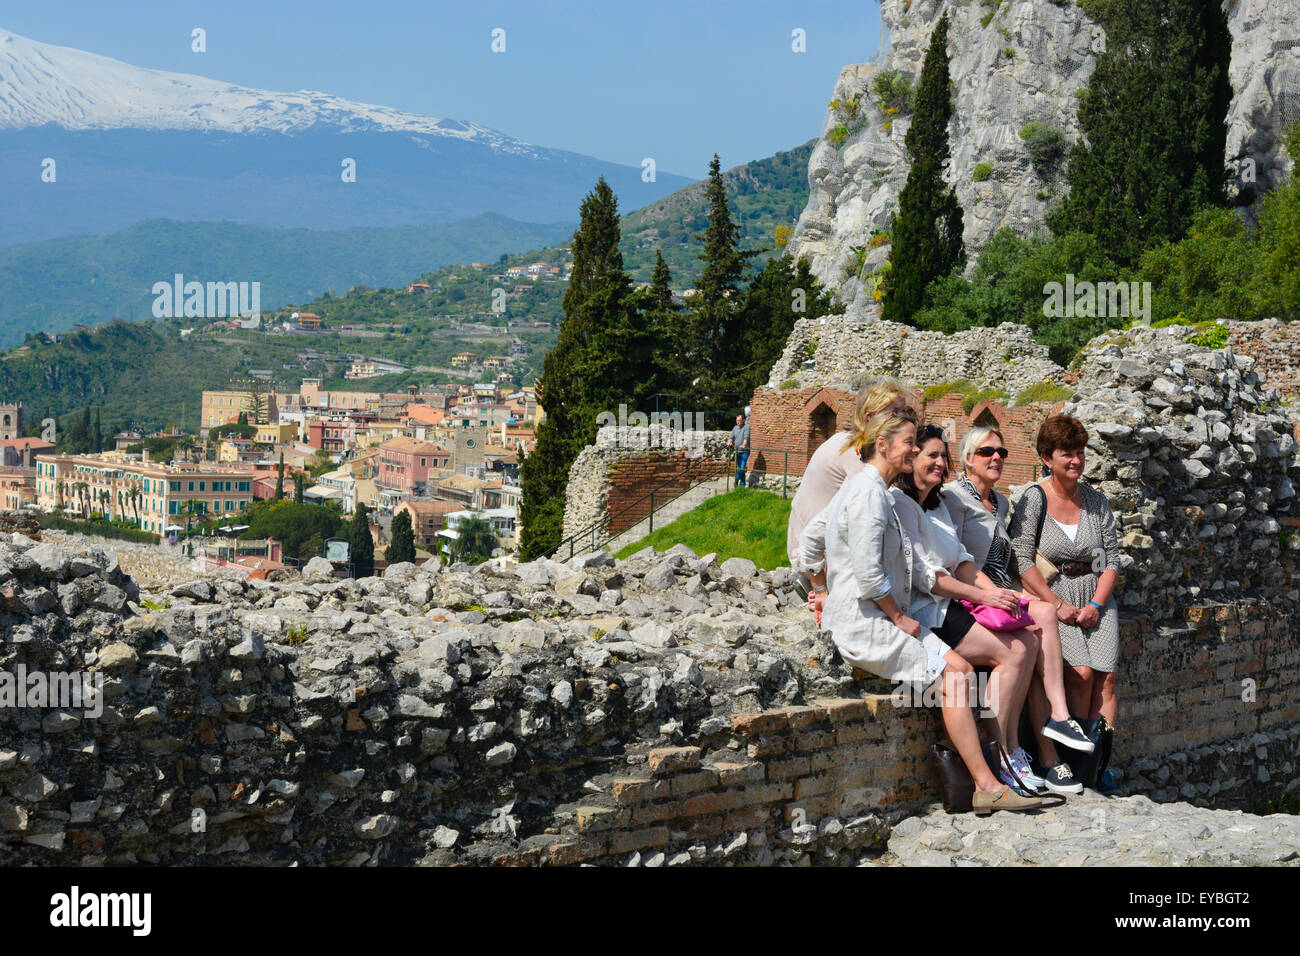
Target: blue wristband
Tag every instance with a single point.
(1096, 605)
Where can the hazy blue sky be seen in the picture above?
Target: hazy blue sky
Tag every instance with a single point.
(675, 80)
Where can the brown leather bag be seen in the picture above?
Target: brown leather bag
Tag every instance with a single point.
(955, 782)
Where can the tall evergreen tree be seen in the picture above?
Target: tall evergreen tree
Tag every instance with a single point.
(781, 294)
(97, 433)
(1153, 122)
(360, 545)
(661, 290)
(402, 545)
(279, 479)
(597, 284)
(662, 322)
(717, 300)
(299, 486)
(926, 232)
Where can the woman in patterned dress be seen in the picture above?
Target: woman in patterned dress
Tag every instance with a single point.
(979, 515)
(1071, 525)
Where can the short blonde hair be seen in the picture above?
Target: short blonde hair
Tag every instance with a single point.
(882, 425)
(975, 438)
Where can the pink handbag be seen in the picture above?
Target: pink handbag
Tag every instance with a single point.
(996, 619)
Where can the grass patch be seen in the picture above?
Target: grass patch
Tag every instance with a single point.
(744, 523)
(1043, 392)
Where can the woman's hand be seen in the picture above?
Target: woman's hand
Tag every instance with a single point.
(816, 602)
(909, 625)
(1088, 616)
(1000, 598)
(1067, 613)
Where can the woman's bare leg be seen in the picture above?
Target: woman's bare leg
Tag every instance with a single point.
(959, 721)
(1011, 656)
(1078, 689)
(1039, 711)
(1104, 702)
(1051, 663)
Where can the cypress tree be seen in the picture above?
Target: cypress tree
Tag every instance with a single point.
(360, 544)
(926, 231)
(662, 318)
(661, 292)
(563, 389)
(717, 298)
(85, 442)
(299, 486)
(402, 547)
(97, 435)
(1153, 123)
(279, 479)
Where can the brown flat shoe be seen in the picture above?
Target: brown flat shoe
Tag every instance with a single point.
(1005, 799)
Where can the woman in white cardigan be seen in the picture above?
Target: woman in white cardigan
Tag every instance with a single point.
(869, 559)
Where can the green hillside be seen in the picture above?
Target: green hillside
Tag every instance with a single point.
(51, 286)
(763, 194)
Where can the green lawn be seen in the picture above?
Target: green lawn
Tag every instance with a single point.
(740, 524)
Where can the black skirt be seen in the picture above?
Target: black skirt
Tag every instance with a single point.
(957, 623)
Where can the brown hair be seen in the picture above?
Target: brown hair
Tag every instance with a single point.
(907, 481)
(1060, 431)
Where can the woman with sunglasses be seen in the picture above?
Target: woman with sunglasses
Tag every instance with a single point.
(946, 573)
(869, 559)
(979, 516)
(1071, 525)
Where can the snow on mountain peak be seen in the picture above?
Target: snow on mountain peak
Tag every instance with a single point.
(41, 83)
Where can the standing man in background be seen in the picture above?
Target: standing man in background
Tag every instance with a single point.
(740, 441)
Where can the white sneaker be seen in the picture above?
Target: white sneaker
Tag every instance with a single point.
(1020, 763)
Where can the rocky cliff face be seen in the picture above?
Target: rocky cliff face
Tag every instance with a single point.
(1017, 63)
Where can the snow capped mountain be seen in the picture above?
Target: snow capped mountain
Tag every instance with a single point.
(41, 83)
(90, 145)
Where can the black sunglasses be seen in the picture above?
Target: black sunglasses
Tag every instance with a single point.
(930, 431)
(988, 451)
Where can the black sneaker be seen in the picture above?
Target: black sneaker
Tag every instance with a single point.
(1060, 779)
(1069, 733)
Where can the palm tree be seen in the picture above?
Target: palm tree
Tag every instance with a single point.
(133, 495)
(475, 541)
(192, 508)
(186, 445)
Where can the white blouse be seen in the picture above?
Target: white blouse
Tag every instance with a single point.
(936, 550)
(868, 556)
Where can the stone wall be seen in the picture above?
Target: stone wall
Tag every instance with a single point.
(689, 713)
(789, 425)
(845, 349)
(1275, 347)
(626, 463)
(1199, 464)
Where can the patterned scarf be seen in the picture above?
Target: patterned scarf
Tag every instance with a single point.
(998, 564)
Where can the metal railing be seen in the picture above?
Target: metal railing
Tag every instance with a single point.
(662, 492)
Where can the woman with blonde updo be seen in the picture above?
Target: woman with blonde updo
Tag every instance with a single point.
(828, 468)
